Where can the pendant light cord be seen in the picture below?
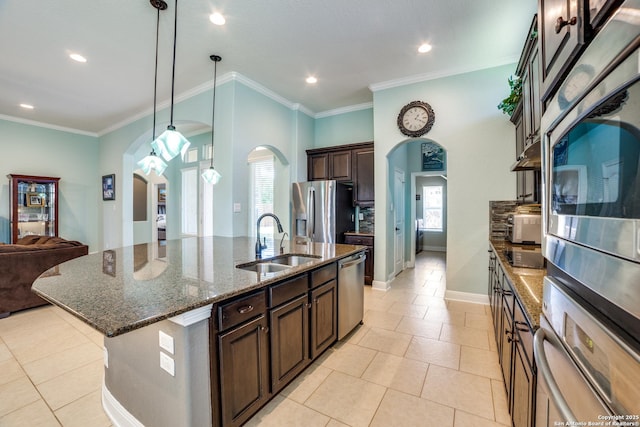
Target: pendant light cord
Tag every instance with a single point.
(155, 78)
(173, 72)
(213, 108)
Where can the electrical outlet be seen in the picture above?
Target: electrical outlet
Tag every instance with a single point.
(105, 355)
(168, 364)
(360, 217)
(236, 207)
(165, 341)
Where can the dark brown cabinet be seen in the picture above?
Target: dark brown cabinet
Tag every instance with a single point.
(324, 317)
(34, 206)
(345, 163)
(244, 370)
(363, 240)
(523, 380)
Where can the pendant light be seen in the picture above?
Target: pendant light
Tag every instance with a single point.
(152, 161)
(211, 175)
(171, 142)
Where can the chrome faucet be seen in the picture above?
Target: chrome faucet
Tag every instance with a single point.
(261, 246)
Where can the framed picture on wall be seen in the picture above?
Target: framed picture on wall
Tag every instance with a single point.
(433, 157)
(162, 195)
(35, 200)
(109, 187)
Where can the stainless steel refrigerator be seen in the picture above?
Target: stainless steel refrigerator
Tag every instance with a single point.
(321, 211)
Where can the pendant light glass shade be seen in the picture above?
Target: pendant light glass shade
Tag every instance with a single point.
(171, 143)
(152, 162)
(211, 175)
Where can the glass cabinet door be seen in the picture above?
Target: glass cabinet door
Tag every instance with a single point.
(34, 206)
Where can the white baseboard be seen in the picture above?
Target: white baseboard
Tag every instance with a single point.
(466, 297)
(380, 286)
(434, 248)
(117, 413)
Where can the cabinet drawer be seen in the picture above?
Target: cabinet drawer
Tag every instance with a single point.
(525, 332)
(238, 311)
(323, 275)
(358, 240)
(287, 290)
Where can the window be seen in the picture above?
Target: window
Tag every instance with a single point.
(432, 207)
(191, 155)
(189, 201)
(261, 197)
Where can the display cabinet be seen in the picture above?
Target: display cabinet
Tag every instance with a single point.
(34, 206)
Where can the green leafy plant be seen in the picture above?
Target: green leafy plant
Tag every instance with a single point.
(508, 105)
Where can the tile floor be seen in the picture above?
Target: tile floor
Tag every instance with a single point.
(417, 360)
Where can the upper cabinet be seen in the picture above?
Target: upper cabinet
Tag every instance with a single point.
(566, 27)
(351, 163)
(529, 72)
(34, 206)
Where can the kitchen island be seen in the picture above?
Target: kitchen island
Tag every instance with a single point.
(192, 340)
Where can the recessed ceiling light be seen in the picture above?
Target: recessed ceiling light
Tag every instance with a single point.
(217, 18)
(311, 80)
(424, 48)
(27, 106)
(77, 57)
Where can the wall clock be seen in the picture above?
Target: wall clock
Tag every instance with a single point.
(416, 118)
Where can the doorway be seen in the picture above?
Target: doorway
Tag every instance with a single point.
(399, 221)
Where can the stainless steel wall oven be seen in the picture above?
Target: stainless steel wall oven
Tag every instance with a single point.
(591, 233)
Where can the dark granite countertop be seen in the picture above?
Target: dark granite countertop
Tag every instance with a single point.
(527, 282)
(359, 233)
(117, 291)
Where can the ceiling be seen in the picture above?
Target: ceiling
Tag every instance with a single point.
(351, 46)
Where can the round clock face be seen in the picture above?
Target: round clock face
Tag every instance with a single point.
(416, 118)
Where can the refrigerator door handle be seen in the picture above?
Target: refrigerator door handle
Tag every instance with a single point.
(311, 212)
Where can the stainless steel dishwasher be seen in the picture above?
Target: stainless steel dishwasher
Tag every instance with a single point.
(350, 293)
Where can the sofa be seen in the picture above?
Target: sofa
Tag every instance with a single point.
(23, 262)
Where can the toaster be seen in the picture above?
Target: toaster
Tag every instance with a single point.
(524, 228)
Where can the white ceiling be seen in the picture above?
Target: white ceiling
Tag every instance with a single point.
(349, 45)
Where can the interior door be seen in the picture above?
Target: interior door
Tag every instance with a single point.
(398, 215)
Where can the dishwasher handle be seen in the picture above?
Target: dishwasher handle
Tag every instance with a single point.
(351, 261)
(547, 377)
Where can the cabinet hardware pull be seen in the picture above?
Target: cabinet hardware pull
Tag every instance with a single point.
(561, 23)
(507, 293)
(264, 329)
(510, 339)
(245, 309)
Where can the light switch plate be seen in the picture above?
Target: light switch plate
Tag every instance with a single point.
(236, 207)
(105, 354)
(165, 341)
(360, 217)
(168, 364)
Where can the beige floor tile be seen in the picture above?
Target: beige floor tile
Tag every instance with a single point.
(5, 354)
(34, 414)
(86, 411)
(378, 304)
(283, 412)
(480, 362)
(28, 321)
(17, 394)
(465, 336)
(431, 302)
(73, 385)
(349, 400)
(350, 359)
(387, 341)
(410, 310)
(10, 370)
(500, 403)
(445, 316)
(467, 307)
(400, 295)
(395, 372)
(379, 319)
(434, 352)
(356, 335)
(420, 327)
(400, 409)
(44, 369)
(27, 349)
(478, 321)
(336, 423)
(464, 419)
(304, 385)
(460, 390)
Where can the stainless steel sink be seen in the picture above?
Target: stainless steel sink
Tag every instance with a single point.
(264, 267)
(278, 263)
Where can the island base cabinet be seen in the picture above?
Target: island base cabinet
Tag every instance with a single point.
(289, 341)
(324, 317)
(244, 371)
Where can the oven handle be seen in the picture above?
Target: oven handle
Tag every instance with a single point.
(545, 373)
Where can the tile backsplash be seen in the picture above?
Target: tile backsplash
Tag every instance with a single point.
(367, 223)
(498, 212)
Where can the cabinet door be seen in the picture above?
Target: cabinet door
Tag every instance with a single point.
(340, 163)
(363, 177)
(506, 350)
(34, 206)
(318, 167)
(526, 107)
(522, 389)
(561, 43)
(289, 341)
(244, 371)
(324, 317)
(534, 84)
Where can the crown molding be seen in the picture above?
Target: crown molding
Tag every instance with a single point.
(47, 126)
(343, 110)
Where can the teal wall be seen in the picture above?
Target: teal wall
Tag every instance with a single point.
(346, 128)
(32, 150)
